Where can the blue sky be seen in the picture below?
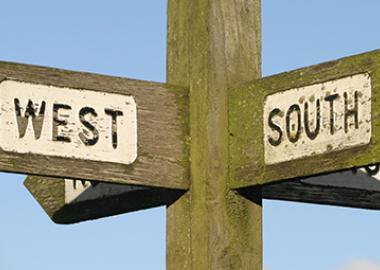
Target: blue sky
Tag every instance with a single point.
(127, 38)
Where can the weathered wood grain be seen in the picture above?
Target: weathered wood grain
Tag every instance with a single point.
(213, 45)
(246, 124)
(103, 200)
(162, 116)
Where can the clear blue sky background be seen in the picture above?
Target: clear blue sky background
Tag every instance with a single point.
(127, 38)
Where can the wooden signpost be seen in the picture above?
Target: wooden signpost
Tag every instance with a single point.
(209, 148)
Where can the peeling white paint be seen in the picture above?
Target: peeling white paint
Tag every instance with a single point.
(290, 119)
(67, 136)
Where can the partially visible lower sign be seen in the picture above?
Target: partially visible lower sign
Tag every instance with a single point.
(359, 188)
(82, 190)
(354, 188)
(64, 122)
(315, 119)
(71, 201)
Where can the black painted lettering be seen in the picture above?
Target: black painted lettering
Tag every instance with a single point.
(57, 122)
(292, 131)
(114, 114)
(30, 112)
(84, 183)
(331, 99)
(312, 134)
(274, 127)
(85, 136)
(372, 170)
(354, 112)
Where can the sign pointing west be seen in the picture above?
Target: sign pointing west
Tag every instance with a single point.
(87, 126)
(70, 123)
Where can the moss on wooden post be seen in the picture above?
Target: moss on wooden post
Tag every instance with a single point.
(212, 46)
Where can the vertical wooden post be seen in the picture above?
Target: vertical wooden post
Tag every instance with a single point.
(213, 45)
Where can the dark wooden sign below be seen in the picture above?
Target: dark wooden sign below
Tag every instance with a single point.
(69, 201)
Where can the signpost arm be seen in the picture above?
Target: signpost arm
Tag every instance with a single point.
(212, 46)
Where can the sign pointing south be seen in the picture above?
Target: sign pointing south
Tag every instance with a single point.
(305, 122)
(318, 118)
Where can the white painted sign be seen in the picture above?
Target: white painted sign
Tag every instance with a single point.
(317, 119)
(80, 190)
(64, 122)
